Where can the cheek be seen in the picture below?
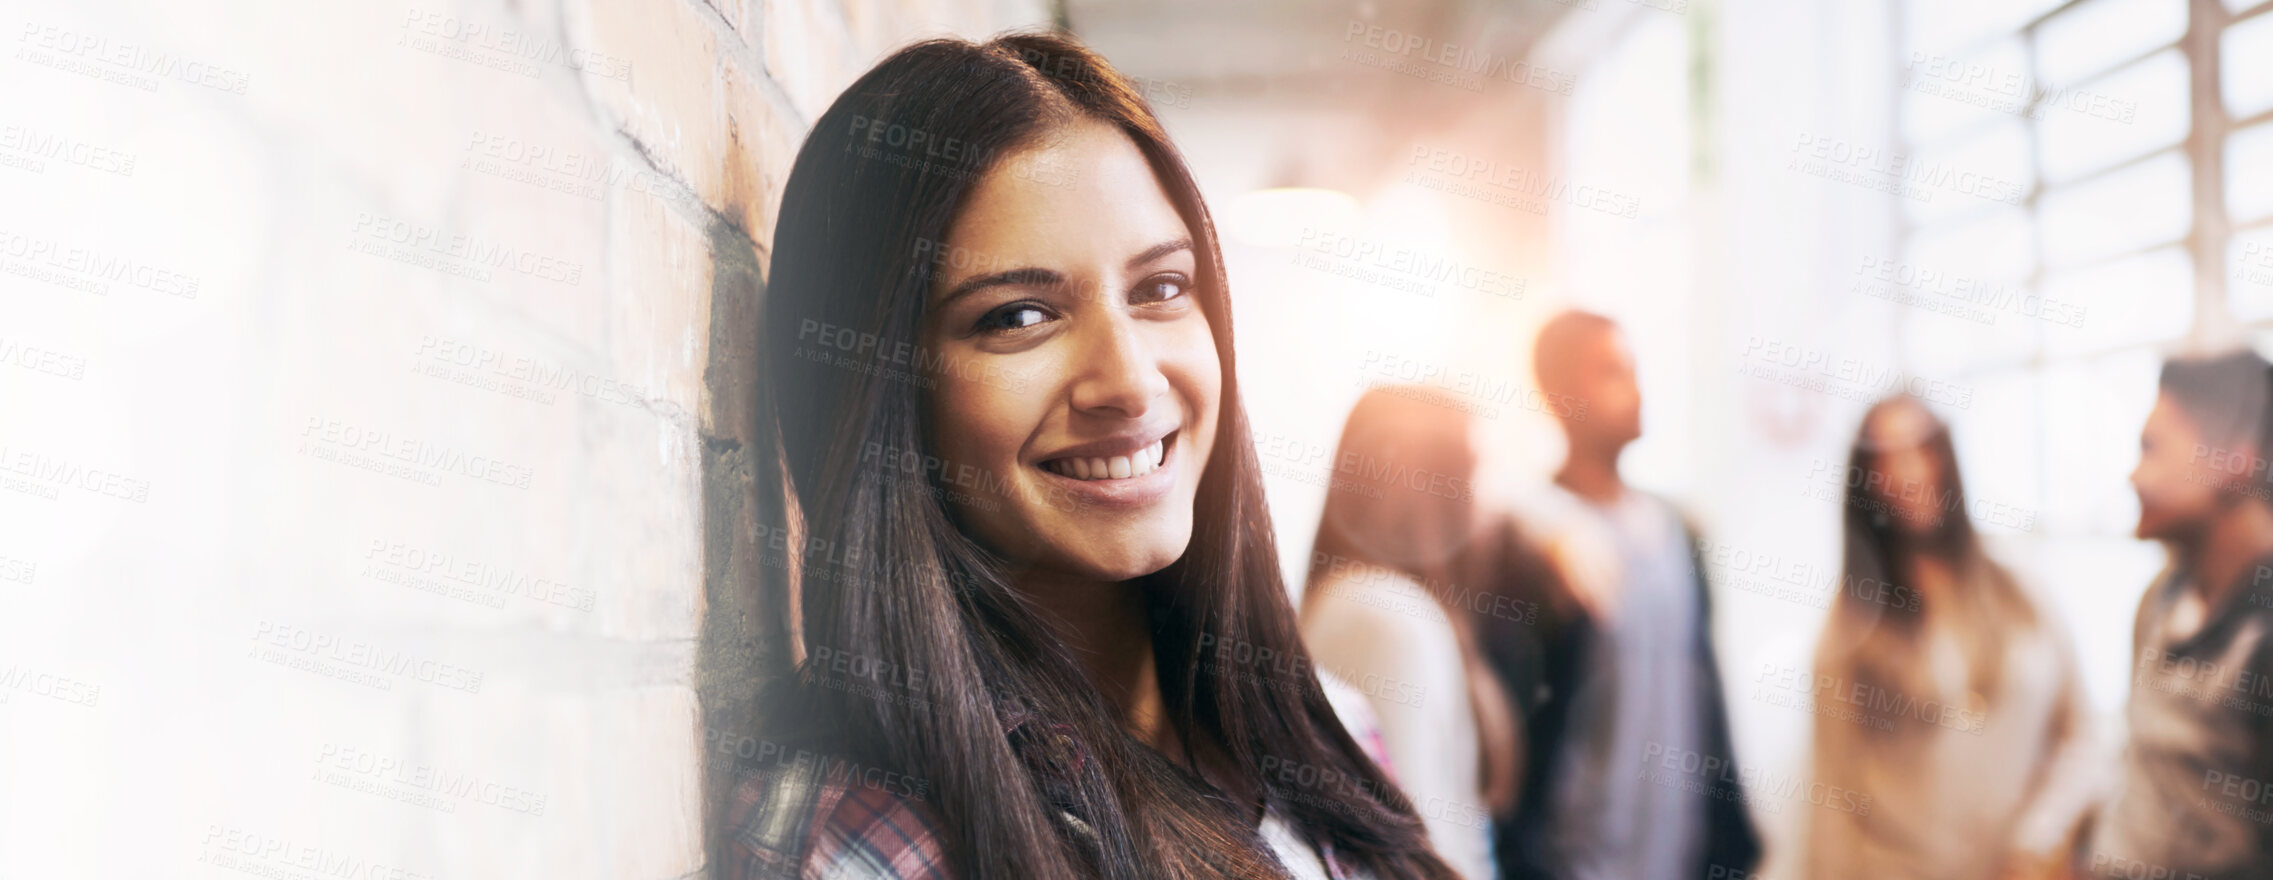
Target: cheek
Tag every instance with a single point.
(978, 424)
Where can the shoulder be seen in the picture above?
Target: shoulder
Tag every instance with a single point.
(820, 818)
(1378, 605)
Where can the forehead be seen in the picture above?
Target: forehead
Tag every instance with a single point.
(1081, 193)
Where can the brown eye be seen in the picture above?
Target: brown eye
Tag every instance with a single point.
(1015, 316)
(1160, 288)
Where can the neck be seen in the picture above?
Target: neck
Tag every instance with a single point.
(1591, 472)
(1105, 626)
(2224, 551)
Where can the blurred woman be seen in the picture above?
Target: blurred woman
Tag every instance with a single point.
(1944, 695)
(999, 361)
(1382, 611)
(2195, 790)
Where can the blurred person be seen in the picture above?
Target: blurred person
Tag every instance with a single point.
(1383, 609)
(1967, 718)
(2192, 796)
(1034, 531)
(1635, 777)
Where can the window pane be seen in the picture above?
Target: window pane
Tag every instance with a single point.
(2145, 204)
(2249, 273)
(2138, 109)
(1986, 170)
(2092, 411)
(1943, 27)
(2245, 51)
(1997, 439)
(1944, 95)
(1995, 246)
(2097, 34)
(2249, 172)
(2146, 298)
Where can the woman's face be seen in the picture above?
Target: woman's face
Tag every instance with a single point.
(2176, 494)
(1907, 480)
(1076, 379)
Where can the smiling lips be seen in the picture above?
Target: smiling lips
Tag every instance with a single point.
(1118, 467)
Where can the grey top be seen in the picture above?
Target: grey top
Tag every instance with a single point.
(2195, 790)
(1637, 695)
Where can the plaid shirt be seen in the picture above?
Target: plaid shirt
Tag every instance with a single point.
(818, 818)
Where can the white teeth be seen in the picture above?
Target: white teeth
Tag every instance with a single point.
(1119, 467)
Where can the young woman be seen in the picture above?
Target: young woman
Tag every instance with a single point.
(1039, 587)
(1966, 710)
(1387, 608)
(2191, 798)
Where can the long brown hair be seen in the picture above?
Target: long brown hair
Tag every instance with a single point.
(1403, 501)
(1877, 626)
(908, 589)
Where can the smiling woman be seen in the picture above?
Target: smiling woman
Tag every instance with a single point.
(1020, 655)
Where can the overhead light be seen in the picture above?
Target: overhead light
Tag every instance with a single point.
(1281, 217)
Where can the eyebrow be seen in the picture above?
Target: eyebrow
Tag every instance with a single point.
(1031, 276)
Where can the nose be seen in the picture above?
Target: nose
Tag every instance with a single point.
(1119, 373)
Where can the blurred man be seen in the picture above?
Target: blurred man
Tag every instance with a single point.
(1632, 773)
(2195, 796)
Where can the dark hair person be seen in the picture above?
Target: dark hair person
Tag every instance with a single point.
(999, 342)
(1969, 712)
(1632, 688)
(2192, 795)
(1388, 606)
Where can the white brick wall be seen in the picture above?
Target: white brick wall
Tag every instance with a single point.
(370, 407)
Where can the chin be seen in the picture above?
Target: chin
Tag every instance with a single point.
(1124, 557)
